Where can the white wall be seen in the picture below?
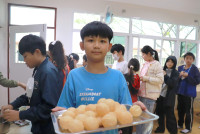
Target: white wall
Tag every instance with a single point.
(3, 51)
(66, 8)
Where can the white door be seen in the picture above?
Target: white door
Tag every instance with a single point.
(17, 68)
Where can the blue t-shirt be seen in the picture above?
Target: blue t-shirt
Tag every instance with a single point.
(83, 87)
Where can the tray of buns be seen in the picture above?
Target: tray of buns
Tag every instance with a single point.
(105, 115)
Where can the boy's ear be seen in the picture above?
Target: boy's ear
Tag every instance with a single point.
(109, 47)
(82, 46)
(37, 51)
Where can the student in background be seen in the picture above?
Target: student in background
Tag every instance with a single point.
(67, 68)
(75, 58)
(120, 64)
(44, 83)
(57, 56)
(166, 101)
(84, 60)
(133, 79)
(95, 77)
(151, 76)
(189, 79)
(10, 83)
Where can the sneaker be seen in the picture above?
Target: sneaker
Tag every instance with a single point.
(185, 131)
(179, 127)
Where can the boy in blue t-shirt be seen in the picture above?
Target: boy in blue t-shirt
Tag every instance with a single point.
(86, 85)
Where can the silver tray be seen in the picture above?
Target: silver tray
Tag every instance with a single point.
(144, 118)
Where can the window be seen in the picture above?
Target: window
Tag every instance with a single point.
(29, 15)
(120, 25)
(81, 19)
(167, 50)
(187, 32)
(188, 47)
(153, 28)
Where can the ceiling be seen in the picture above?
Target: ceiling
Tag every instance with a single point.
(187, 6)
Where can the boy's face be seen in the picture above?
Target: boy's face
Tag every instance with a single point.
(189, 60)
(169, 64)
(30, 59)
(95, 47)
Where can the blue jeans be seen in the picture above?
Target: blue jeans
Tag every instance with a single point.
(147, 127)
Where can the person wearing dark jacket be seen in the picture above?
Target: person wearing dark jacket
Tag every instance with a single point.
(166, 101)
(189, 78)
(45, 91)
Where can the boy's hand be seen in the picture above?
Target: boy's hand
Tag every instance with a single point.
(22, 85)
(6, 107)
(11, 115)
(58, 109)
(185, 74)
(139, 103)
(181, 73)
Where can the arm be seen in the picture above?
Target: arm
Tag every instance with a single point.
(171, 82)
(195, 79)
(159, 77)
(7, 83)
(48, 96)
(20, 101)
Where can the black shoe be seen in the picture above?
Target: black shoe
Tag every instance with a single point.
(159, 130)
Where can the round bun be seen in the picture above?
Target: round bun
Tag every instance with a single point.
(111, 104)
(75, 126)
(71, 109)
(91, 123)
(124, 117)
(69, 113)
(81, 117)
(64, 121)
(102, 109)
(109, 120)
(120, 108)
(91, 107)
(102, 100)
(135, 110)
(80, 109)
(90, 113)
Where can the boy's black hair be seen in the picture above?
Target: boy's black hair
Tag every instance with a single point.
(30, 43)
(85, 57)
(58, 54)
(74, 56)
(96, 28)
(147, 49)
(118, 48)
(189, 54)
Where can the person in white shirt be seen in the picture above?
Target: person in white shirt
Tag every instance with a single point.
(120, 64)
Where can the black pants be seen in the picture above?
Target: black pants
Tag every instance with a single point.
(162, 110)
(185, 109)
